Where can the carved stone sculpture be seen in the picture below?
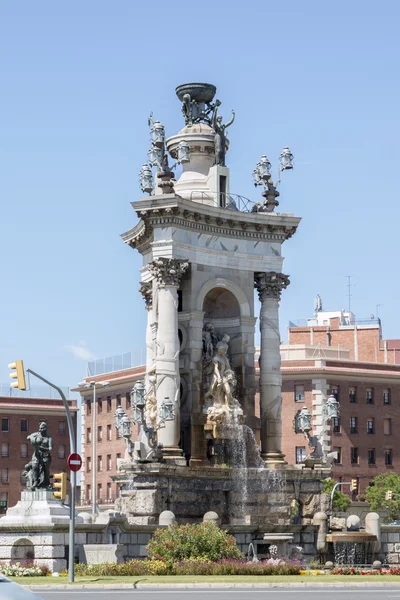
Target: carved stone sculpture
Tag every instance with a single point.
(38, 470)
(168, 271)
(220, 404)
(150, 409)
(270, 285)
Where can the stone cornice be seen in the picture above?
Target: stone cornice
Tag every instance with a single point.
(172, 210)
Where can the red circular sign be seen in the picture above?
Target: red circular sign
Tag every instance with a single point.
(74, 461)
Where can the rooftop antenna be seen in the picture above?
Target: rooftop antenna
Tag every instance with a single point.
(349, 286)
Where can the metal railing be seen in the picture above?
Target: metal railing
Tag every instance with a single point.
(119, 362)
(34, 391)
(222, 200)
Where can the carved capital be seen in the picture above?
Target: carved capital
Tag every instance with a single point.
(168, 271)
(270, 285)
(146, 289)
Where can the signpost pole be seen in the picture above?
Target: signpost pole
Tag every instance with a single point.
(72, 443)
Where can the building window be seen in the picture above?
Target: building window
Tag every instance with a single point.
(353, 425)
(89, 493)
(4, 450)
(99, 433)
(371, 456)
(354, 456)
(369, 395)
(99, 463)
(118, 455)
(352, 395)
(386, 397)
(88, 407)
(335, 392)
(4, 475)
(88, 435)
(24, 450)
(336, 424)
(118, 400)
(109, 495)
(99, 406)
(24, 425)
(109, 404)
(109, 462)
(61, 451)
(62, 427)
(300, 454)
(299, 393)
(388, 458)
(387, 426)
(338, 459)
(109, 433)
(88, 464)
(370, 426)
(5, 425)
(99, 492)
(128, 400)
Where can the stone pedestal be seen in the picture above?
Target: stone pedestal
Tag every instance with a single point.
(36, 507)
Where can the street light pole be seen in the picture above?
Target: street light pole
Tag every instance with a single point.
(94, 384)
(94, 450)
(72, 443)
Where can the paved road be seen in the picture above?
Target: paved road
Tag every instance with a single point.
(230, 594)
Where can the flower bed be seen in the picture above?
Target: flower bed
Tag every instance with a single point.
(361, 571)
(190, 567)
(23, 569)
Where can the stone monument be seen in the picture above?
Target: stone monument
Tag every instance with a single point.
(204, 252)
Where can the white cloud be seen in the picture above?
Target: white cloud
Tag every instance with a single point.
(80, 351)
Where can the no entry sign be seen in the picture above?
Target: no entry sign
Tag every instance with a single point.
(74, 461)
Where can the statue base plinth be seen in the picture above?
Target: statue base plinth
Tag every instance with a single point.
(273, 459)
(173, 455)
(37, 507)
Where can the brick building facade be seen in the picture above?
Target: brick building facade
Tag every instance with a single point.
(335, 353)
(109, 445)
(20, 417)
(319, 360)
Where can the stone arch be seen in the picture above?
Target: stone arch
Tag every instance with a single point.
(219, 282)
(23, 549)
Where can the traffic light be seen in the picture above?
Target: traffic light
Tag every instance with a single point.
(18, 374)
(389, 495)
(60, 485)
(354, 485)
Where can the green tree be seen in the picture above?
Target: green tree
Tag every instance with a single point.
(341, 502)
(375, 494)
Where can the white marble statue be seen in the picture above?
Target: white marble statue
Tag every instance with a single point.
(220, 404)
(150, 409)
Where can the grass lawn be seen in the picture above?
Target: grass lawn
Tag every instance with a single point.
(292, 579)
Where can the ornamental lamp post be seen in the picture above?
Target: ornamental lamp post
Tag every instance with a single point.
(155, 155)
(264, 168)
(286, 159)
(146, 179)
(167, 411)
(119, 413)
(157, 134)
(304, 420)
(183, 152)
(332, 408)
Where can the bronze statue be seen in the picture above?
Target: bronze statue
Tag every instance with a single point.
(39, 471)
(220, 135)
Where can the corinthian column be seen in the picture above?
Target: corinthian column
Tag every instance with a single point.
(270, 286)
(168, 273)
(146, 289)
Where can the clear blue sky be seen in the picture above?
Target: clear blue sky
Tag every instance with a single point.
(78, 80)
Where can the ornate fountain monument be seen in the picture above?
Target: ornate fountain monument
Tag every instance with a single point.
(204, 444)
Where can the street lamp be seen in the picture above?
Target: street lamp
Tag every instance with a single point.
(94, 384)
(166, 412)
